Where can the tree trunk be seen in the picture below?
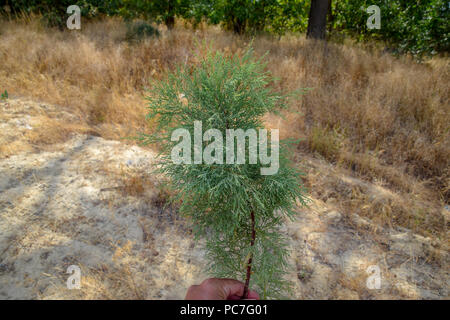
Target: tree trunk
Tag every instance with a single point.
(169, 20)
(238, 26)
(317, 22)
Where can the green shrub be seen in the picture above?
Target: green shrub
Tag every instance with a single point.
(140, 30)
(325, 142)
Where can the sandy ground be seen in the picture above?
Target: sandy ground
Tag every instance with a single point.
(94, 203)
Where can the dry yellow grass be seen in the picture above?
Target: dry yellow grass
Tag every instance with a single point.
(384, 118)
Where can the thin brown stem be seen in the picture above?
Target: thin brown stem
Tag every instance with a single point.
(249, 263)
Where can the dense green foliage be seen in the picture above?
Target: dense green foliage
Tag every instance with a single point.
(228, 93)
(277, 16)
(158, 10)
(54, 11)
(419, 26)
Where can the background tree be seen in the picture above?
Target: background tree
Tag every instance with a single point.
(288, 16)
(250, 16)
(241, 15)
(419, 27)
(317, 22)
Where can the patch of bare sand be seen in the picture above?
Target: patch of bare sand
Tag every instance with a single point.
(68, 207)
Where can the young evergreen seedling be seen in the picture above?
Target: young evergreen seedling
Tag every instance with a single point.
(235, 208)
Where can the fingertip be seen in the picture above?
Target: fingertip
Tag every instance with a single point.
(253, 295)
(233, 287)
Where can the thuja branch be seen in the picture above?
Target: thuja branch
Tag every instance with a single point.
(213, 194)
(249, 263)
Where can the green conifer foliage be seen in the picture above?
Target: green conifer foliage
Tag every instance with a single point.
(236, 210)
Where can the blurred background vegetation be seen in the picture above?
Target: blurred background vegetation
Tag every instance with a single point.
(419, 27)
